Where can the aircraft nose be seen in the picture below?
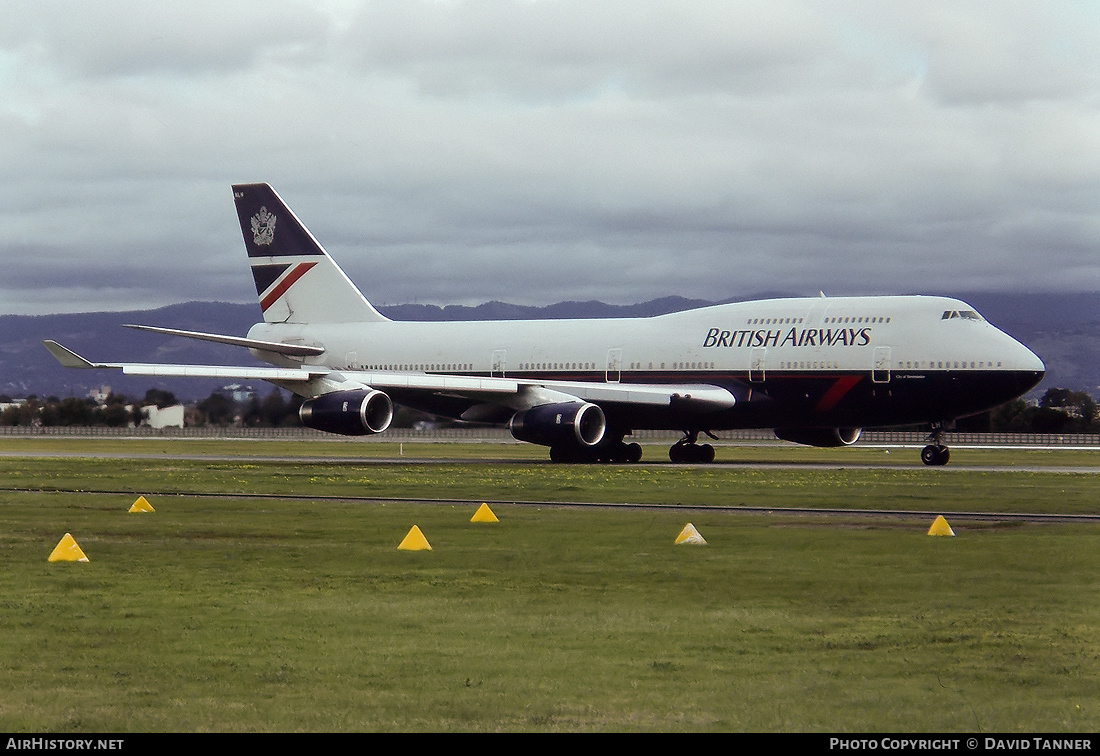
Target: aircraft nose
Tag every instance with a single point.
(1028, 360)
(1028, 364)
(1036, 363)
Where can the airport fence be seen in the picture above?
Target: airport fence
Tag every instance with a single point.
(501, 435)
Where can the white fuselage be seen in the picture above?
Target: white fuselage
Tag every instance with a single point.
(895, 334)
(815, 362)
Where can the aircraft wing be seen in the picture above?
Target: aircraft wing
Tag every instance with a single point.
(692, 396)
(70, 359)
(517, 394)
(461, 385)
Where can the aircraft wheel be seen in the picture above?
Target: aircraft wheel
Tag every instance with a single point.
(697, 453)
(626, 454)
(563, 455)
(632, 453)
(935, 455)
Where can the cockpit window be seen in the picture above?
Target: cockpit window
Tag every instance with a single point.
(967, 314)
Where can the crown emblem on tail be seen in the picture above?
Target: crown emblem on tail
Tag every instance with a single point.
(263, 227)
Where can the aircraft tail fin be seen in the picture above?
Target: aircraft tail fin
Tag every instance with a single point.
(296, 280)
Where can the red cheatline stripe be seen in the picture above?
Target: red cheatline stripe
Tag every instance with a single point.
(289, 280)
(836, 392)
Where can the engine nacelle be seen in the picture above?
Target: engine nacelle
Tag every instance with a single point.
(569, 423)
(350, 413)
(820, 436)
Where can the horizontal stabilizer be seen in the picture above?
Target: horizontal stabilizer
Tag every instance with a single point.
(291, 350)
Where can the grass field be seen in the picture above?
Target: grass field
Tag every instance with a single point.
(221, 614)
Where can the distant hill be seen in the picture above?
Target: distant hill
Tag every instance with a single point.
(27, 368)
(1062, 329)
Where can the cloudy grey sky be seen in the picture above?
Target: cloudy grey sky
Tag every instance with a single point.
(531, 151)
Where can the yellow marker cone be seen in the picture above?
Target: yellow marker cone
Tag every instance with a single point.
(142, 505)
(415, 541)
(690, 535)
(67, 551)
(940, 528)
(484, 514)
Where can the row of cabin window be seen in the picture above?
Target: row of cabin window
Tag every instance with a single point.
(838, 319)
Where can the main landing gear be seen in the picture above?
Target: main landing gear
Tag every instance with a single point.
(936, 454)
(612, 450)
(687, 450)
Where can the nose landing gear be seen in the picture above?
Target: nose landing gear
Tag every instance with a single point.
(936, 454)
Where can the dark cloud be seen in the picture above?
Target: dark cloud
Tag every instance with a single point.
(530, 151)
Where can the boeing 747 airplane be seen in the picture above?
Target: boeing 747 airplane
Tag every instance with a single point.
(816, 370)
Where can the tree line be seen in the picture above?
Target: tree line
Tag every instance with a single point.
(218, 409)
(1059, 410)
(118, 410)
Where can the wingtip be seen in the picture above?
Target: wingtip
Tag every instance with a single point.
(67, 357)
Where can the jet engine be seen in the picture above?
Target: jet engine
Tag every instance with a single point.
(569, 424)
(820, 436)
(350, 413)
